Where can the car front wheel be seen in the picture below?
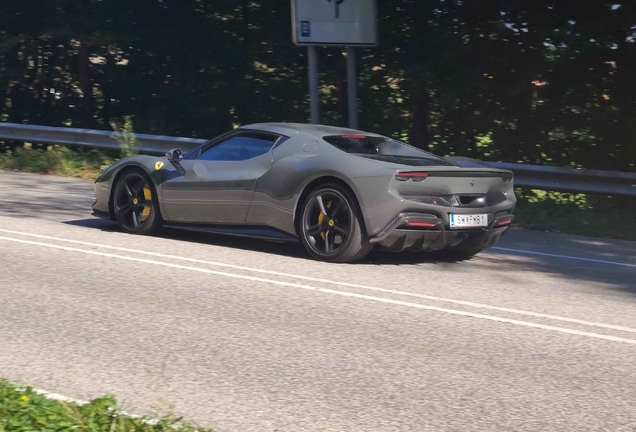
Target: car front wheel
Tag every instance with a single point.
(135, 203)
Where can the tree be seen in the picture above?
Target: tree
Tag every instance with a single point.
(542, 81)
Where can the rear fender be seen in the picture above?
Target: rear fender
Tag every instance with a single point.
(277, 194)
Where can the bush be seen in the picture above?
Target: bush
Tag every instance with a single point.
(56, 159)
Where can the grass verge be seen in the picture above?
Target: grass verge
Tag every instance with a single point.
(24, 410)
(57, 159)
(588, 215)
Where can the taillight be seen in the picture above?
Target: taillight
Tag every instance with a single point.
(353, 136)
(507, 177)
(415, 176)
(421, 224)
(504, 222)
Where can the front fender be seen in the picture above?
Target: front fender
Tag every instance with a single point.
(151, 165)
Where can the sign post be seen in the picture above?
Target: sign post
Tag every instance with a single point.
(314, 84)
(352, 88)
(348, 23)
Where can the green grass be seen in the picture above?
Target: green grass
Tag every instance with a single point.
(23, 410)
(588, 215)
(56, 159)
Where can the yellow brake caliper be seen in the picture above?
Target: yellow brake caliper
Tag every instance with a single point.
(321, 217)
(148, 197)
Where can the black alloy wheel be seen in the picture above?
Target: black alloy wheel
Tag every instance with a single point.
(134, 203)
(330, 226)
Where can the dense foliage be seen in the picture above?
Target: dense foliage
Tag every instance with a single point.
(542, 81)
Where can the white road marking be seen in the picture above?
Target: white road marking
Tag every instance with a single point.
(329, 291)
(520, 251)
(331, 282)
(57, 397)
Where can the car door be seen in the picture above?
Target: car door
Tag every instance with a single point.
(219, 182)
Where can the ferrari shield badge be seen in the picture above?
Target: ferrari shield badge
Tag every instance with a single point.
(158, 165)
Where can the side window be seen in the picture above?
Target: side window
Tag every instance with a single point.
(239, 148)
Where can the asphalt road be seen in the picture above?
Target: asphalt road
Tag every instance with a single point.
(243, 335)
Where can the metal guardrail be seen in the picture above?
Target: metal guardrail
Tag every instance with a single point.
(147, 144)
(586, 181)
(527, 176)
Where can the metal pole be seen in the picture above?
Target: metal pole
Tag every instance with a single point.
(352, 87)
(314, 96)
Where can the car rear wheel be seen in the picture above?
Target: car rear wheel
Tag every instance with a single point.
(135, 203)
(330, 226)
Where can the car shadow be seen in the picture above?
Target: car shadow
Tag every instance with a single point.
(97, 223)
(283, 248)
(620, 278)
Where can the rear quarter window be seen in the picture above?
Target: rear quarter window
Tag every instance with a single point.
(383, 148)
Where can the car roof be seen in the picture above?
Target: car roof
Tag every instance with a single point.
(318, 130)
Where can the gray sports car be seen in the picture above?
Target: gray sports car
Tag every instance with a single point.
(339, 191)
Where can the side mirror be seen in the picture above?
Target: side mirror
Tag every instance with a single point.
(174, 155)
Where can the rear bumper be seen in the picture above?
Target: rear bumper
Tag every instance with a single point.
(422, 231)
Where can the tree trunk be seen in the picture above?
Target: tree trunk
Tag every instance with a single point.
(86, 86)
(16, 91)
(107, 90)
(418, 133)
(343, 103)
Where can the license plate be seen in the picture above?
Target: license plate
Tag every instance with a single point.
(468, 221)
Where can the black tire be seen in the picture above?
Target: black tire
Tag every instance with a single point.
(330, 226)
(457, 254)
(135, 203)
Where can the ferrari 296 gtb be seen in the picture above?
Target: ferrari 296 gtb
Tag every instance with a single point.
(338, 191)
